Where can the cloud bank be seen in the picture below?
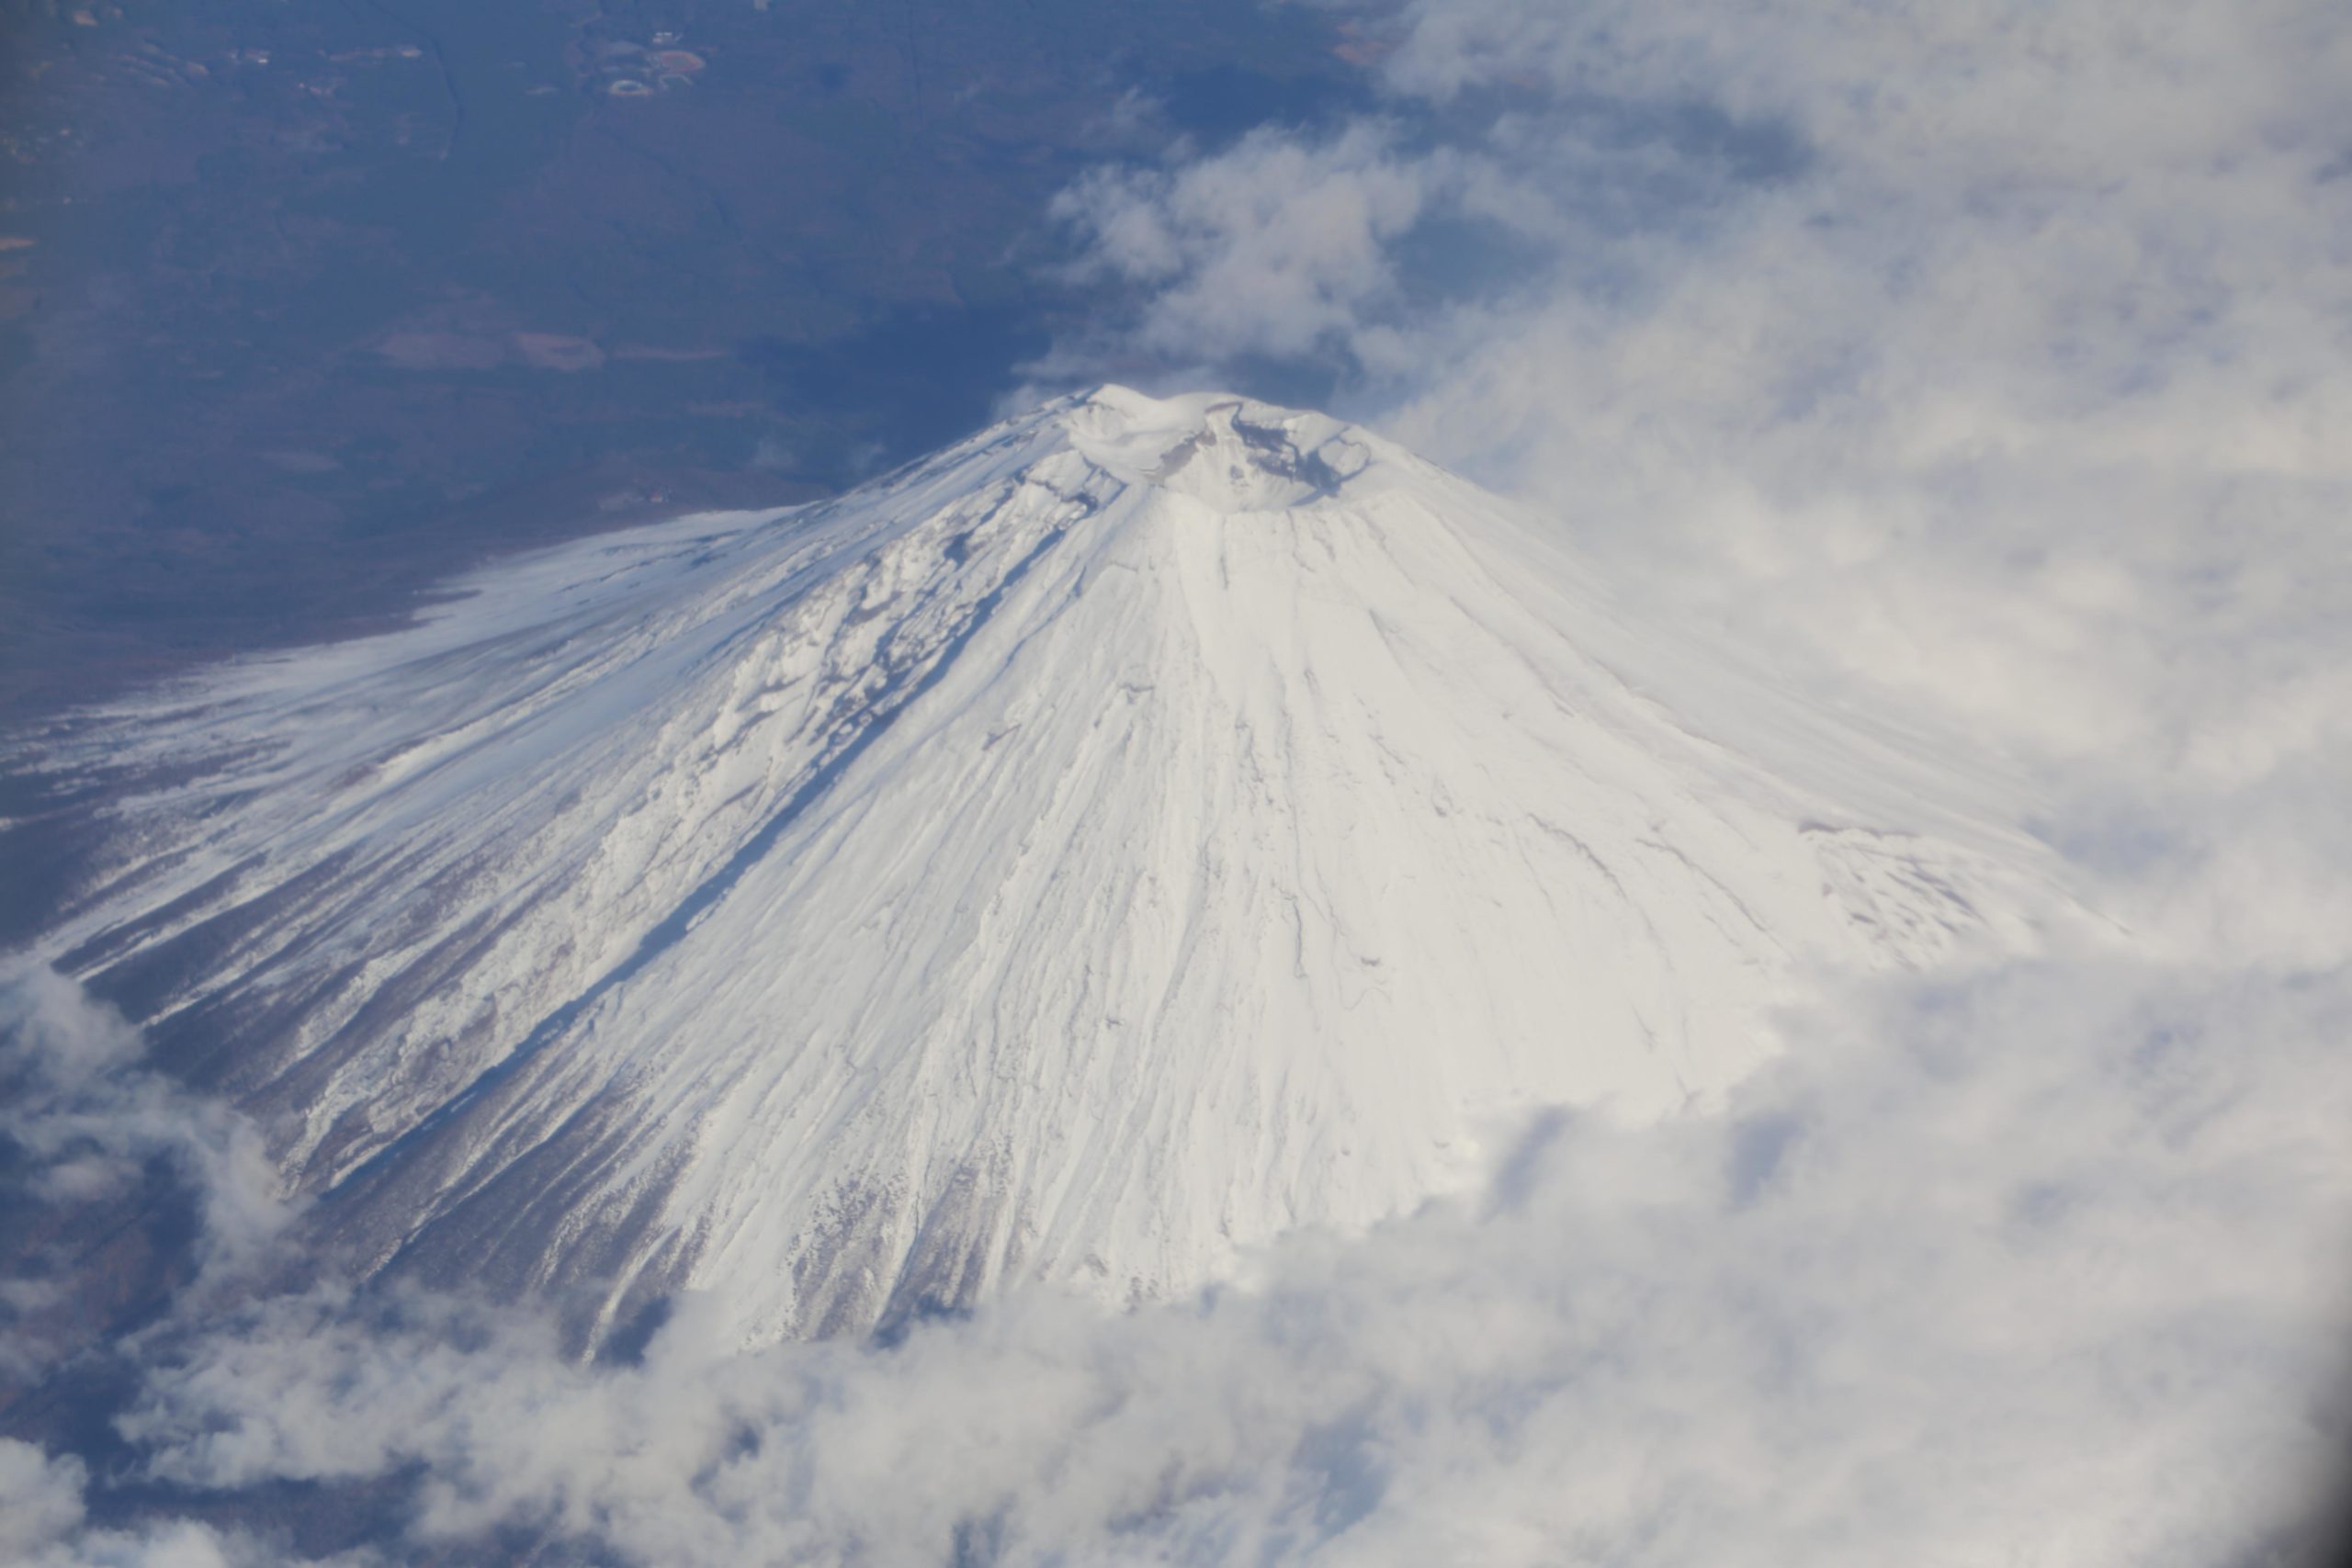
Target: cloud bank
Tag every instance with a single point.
(2015, 1269)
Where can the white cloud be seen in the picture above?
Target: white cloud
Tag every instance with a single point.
(41, 1499)
(1993, 354)
(42, 1525)
(1275, 247)
(2015, 1270)
(82, 1115)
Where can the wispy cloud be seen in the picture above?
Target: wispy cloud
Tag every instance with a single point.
(44, 1524)
(83, 1119)
(1277, 247)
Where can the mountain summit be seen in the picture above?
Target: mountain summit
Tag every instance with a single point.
(1142, 828)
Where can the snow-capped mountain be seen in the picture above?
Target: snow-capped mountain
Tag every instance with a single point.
(1142, 828)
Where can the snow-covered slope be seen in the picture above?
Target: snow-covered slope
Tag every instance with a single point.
(1139, 830)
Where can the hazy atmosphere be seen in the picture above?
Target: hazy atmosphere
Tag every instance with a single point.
(726, 839)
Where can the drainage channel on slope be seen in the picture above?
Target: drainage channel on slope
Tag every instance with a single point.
(896, 697)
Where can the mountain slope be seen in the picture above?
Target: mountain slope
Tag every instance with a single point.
(1140, 829)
